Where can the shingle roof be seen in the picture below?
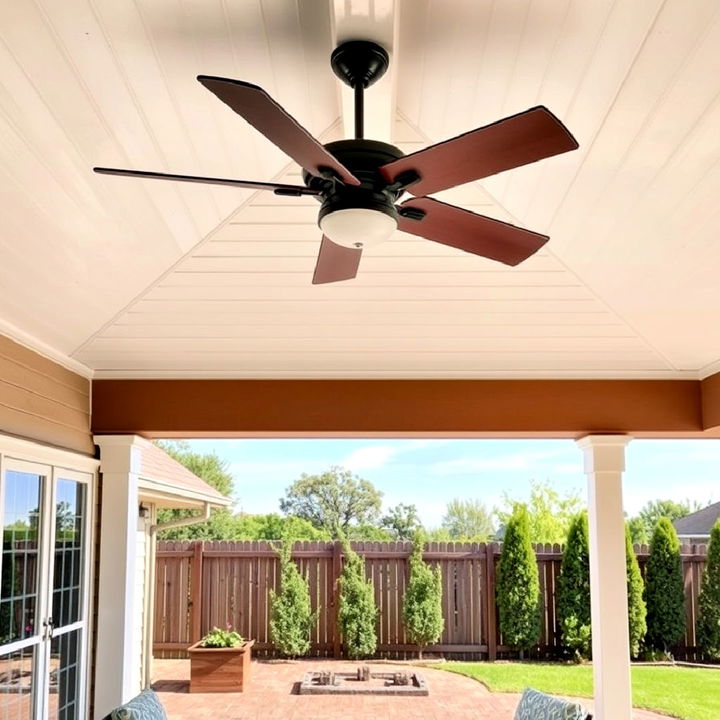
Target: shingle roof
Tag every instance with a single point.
(156, 464)
(698, 523)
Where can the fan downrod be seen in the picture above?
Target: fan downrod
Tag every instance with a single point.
(359, 63)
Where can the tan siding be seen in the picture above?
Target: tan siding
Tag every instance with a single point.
(41, 400)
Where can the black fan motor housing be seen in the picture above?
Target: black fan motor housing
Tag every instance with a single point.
(362, 158)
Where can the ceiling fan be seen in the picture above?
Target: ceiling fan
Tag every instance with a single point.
(358, 182)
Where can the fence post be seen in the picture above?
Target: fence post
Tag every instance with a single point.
(196, 591)
(490, 601)
(336, 570)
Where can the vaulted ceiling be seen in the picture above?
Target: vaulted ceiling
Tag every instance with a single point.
(135, 278)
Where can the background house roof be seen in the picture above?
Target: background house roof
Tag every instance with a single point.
(699, 523)
(169, 484)
(131, 278)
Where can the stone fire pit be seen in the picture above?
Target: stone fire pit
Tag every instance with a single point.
(363, 682)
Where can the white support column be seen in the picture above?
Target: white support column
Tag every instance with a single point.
(116, 668)
(604, 465)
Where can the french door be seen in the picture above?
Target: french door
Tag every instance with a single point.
(44, 571)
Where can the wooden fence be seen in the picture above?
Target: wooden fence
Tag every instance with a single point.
(204, 584)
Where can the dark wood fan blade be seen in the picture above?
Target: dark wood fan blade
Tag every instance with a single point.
(477, 234)
(517, 140)
(335, 262)
(277, 188)
(264, 114)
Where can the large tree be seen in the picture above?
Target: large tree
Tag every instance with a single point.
(402, 521)
(468, 520)
(518, 584)
(333, 501)
(213, 471)
(709, 600)
(549, 512)
(664, 591)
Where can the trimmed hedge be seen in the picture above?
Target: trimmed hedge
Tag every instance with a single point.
(518, 584)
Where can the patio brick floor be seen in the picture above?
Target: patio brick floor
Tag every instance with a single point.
(272, 695)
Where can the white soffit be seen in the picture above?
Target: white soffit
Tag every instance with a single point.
(144, 278)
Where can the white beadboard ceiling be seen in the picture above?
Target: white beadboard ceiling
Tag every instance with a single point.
(140, 278)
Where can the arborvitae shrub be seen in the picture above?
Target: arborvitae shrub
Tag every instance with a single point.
(709, 600)
(664, 593)
(573, 590)
(357, 612)
(637, 611)
(291, 615)
(518, 585)
(422, 604)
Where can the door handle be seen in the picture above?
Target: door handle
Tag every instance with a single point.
(49, 625)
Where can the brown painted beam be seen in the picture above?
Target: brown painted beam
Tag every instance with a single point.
(490, 408)
(711, 402)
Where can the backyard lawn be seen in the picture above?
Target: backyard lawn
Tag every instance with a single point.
(688, 693)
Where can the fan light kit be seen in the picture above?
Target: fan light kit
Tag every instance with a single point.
(359, 182)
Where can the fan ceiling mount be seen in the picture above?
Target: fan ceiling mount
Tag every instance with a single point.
(359, 182)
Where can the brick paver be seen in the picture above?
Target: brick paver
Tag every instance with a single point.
(272, 695)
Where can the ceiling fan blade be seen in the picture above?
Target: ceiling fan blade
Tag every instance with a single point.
(277, 188)
(477, 234)
(335, 262)
(517, 140)
(264, 114)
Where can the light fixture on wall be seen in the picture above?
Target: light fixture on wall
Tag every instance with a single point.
(143, 511)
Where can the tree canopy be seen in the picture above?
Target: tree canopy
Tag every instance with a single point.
(402, 521)
(333, 501)
(643, 524)
(549, 512)
(468, 520)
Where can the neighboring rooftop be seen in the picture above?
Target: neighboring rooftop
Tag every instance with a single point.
(698, 524)
(167, 477)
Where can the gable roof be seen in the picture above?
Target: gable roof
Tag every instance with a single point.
(164, 476)
(699, 523)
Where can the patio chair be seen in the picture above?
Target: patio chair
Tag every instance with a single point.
(535, 705)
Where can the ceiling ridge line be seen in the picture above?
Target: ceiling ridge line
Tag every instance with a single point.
(139, 297)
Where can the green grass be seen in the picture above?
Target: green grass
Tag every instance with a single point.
(688, 693)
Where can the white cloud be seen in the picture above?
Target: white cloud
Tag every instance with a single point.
(514, 461)
(373, 456)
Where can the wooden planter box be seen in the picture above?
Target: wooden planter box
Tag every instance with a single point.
(219, 669)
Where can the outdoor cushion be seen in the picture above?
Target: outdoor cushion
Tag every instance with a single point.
(145, 706)
(535, 705)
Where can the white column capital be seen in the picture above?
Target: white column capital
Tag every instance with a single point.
(604, 453)
(120, 453)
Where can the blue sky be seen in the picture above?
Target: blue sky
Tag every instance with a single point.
(428, 473)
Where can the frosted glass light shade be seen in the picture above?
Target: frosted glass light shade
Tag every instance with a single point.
(357, 227)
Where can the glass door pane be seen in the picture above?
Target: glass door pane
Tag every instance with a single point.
(20, 567)
(17, 674)
(68, 579)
